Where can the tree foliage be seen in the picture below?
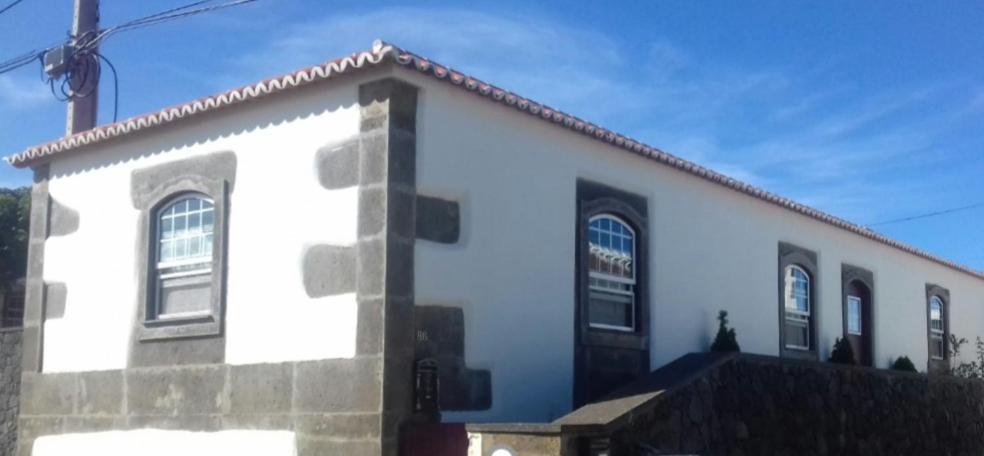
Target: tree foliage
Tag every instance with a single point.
(904, 364)
(842, 353)
(726, 339)
(15, 209)
(972, 369)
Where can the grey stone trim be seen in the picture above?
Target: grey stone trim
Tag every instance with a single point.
(63, 219)
(938, 365)
(261, 388)
(604, 359)
(212, 175)
(176, 351)
(329, 400)
(387, 179)
(338, 165)
(329, 270)
(438, 220)
(440, 336)
(48, 394)
(148, 185)
(98, 393)
(354, 386)
(56, 294)
(34, 289)
(196, 390)
(789, 255)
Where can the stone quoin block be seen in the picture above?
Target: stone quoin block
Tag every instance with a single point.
(329, 270)
(337, 386)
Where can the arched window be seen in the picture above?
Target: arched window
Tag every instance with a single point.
(798, 308)
(184, 246)
(937, 328)
(611, 273)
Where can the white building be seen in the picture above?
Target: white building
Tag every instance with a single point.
(276, 267)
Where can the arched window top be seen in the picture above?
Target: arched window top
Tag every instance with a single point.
(936, 313)
(797, 289)
(611, 244)
(185, 229)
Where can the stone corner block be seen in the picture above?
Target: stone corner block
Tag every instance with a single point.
(260, 388)
(338, 385)
(438, 220)
(329, 270)
(194, 390)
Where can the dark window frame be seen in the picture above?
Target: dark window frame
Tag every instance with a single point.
(935, 364)
(148, 327)
(805, 259)
(851, 274)
(598, 199)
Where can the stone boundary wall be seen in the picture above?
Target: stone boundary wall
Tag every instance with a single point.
(756, 405)
(10, 375)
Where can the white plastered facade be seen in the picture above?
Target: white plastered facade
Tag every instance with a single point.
(711, 248)
(277, 210)
(512, 271)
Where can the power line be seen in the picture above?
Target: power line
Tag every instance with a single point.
(164, 16)
(85, 43)
(9, 6)
(116, 85)
(927, 215)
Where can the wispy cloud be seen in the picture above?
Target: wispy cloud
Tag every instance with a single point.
(793, 130)
(20, 94)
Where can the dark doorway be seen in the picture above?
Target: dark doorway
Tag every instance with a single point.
(858, 321)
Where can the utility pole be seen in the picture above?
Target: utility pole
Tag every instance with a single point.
(82, 110)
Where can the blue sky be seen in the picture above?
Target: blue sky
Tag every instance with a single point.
(868, 110)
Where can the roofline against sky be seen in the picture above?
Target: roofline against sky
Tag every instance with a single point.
(382, 52)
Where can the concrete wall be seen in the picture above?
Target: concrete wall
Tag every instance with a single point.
(512, 271)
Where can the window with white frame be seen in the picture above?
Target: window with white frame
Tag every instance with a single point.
(797, 308)
(185, 233)
(937, 328)
(854, 315)
(611, 274)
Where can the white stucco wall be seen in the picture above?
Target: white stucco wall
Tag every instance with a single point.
(710, 248)
(277, 209)
(149, 442)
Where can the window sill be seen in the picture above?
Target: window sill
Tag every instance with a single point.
(614, 338)
(177, 326)
(805, 355)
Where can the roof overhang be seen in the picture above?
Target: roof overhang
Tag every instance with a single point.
(385, 53)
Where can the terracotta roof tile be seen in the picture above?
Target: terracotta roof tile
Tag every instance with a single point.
(382, 52)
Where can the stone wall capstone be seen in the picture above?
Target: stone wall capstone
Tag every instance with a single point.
(765, 406)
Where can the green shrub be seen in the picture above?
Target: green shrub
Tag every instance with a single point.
(726, 339)
(904, 364)
(842, 353)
